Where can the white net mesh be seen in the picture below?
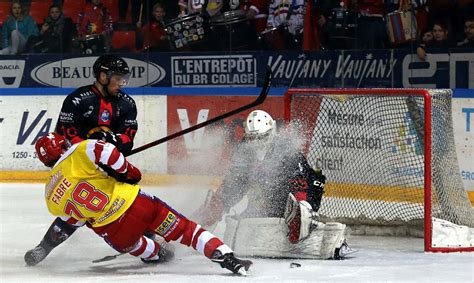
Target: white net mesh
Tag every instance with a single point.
(371, 148)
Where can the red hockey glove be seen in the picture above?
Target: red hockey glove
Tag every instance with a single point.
(133, 175)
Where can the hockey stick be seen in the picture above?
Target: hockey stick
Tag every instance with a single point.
(258, 101)
(107, 258)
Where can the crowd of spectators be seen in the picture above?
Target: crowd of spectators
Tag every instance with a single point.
(97, 26)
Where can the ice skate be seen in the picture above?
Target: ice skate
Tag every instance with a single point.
(229, 261)
(165, 254)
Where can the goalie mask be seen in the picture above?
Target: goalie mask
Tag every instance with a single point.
(259, 130)
(49, 148)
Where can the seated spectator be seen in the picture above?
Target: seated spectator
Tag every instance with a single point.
(17, 29)
(153, 34)
(56, 33)
(440, 40)
(441, 11)
(95, 28)
(468, 41)
(426, 36)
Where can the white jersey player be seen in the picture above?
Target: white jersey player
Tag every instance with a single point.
(284, 194)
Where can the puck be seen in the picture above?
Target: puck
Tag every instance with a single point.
(294, 264)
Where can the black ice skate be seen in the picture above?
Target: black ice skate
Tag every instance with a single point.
(37, 254)
(229, 261)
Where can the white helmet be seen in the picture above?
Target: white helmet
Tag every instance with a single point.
(259, 124)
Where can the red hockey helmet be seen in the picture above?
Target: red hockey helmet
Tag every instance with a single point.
(49, 148)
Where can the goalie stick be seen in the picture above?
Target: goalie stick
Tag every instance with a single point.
(260, 99)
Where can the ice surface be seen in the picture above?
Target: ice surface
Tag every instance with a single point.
(24, 219)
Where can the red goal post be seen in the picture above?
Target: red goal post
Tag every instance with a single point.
(390, 160)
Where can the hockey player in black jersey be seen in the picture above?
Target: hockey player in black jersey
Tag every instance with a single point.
(101, 110)
(98, 111)
(283, 197)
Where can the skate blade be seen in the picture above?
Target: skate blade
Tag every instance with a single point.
(347, 252)
(242, 271)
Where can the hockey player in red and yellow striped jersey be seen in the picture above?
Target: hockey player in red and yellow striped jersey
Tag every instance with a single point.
(92, 183)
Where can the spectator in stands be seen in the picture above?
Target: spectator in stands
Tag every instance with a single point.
(257, 11)
(468, 41)
(95, 28)
(441, 11)
(213, 8)
(153, 34)
(336, 24)
(290, 16)
(372, 31)
(463, 11)
(56, 33)
(171, 7)
(17, 30)
(135, 10)
(440, 40)
(426, 36)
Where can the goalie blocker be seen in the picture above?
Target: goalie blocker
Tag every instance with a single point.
(298, 235)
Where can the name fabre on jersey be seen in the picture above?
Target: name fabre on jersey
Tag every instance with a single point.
(60, 189)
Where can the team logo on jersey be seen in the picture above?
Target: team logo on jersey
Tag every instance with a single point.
(166, 224)
(105, 116)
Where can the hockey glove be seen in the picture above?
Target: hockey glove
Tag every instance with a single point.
(315, 194)
(109, 137)
(131, 176)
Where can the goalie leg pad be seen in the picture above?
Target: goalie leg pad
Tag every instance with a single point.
(267, 237)
(299, 218)
(334, 237)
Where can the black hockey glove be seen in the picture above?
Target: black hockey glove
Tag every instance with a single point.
(132, 176)
(315, 194)
(109, 137)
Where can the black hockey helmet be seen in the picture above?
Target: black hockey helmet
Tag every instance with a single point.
(110, 64)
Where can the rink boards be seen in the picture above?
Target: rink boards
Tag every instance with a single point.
(29, 113)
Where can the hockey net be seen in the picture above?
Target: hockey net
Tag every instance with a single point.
(390, 160)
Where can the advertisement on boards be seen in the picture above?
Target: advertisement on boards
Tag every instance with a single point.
(395, 68)
(24, 119)
(206, 151)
